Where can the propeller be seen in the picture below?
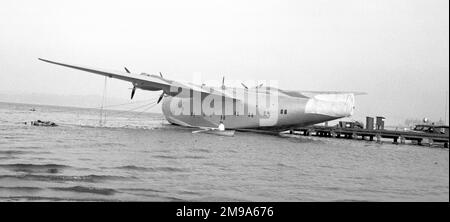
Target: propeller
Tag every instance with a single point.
(134, 86)
(256, 87)
(162, 94)
(223, 83)
(133, 91)
(160, 97)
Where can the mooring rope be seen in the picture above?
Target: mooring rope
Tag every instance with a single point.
(136, 108)
(121, 104)
(146, 109)
(103, 115)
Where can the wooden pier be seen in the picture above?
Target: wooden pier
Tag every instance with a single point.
(398, 137)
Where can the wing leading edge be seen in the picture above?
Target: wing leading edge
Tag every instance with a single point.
(147, 82)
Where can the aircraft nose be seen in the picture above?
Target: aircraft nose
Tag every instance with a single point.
(336, 105)
(350, 104)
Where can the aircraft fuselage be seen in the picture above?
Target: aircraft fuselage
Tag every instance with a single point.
(287, 111)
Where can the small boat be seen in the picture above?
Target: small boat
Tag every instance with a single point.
(42, 123)
(216, 132)
(221, 132)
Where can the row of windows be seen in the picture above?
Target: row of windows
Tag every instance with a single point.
(222, 117)
(283, 111)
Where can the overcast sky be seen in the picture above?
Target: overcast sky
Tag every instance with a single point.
(395, 50)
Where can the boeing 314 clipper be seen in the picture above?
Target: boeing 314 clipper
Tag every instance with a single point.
(211, 108)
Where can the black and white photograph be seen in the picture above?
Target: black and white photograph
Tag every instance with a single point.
(224, 102)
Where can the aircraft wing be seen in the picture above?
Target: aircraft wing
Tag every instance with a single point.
(335, 92)
(310, 94)
(145, 82)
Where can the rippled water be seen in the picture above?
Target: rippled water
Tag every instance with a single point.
(140, 157)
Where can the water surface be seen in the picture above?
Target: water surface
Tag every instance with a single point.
(140, 157)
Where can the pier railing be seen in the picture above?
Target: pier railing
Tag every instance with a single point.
(357, 133)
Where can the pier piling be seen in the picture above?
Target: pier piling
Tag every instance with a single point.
(398, 137)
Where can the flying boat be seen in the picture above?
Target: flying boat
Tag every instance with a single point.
(221, 109)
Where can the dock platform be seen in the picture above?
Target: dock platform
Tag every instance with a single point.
(398, 137)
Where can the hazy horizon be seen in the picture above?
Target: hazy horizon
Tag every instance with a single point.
(396, 51)
(139, 105)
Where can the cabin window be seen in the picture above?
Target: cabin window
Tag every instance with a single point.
(285, 111)
(281, 111)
